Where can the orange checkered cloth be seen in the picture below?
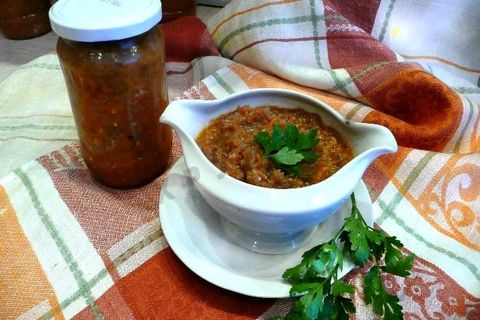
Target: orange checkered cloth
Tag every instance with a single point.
(71, 248)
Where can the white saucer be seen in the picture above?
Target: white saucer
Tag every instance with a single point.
(195, 234)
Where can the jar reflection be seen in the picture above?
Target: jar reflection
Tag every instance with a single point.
(173, 9)
(24, 19)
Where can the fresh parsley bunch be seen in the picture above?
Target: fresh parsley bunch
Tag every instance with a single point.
(315, 279)
(288, 147)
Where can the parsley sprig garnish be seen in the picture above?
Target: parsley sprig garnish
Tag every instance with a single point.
(287, 147)
(315, 279)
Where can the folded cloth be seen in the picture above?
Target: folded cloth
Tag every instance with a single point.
(187, 38)
(335, 47)
(72, 248)
(35, 115)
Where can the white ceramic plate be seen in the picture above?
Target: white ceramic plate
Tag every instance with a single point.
(194, 232)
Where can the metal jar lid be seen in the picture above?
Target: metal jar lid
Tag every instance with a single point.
(104, 20)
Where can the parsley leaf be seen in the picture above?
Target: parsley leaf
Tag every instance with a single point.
(263, 139)
(309, 156)
(395, 262)
(339, 288)
(287, 156)
(299, 272)
(361, 240)
(306, 141)
(312, 302)
(291, 134)
(315, 279)
(355, 233)
(288, 147)
(278, 138)
(384, 304)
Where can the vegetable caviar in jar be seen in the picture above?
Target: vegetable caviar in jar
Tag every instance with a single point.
(117, 91)
(173, 9)
(24, 19)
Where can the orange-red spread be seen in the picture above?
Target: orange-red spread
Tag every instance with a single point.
(23, 19)
(228, 142)
(173, 9)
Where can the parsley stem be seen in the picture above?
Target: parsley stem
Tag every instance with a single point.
(337, 235)
(354, 212)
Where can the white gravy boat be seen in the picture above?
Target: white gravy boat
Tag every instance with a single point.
(270, 220)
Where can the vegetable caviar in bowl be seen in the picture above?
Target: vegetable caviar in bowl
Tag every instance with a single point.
(274, 147)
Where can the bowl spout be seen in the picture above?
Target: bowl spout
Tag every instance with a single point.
(187, 118)
(370, 141)
(179, 115)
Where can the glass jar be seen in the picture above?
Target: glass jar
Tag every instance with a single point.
(173, 9)
(24, 19)
(117, 92)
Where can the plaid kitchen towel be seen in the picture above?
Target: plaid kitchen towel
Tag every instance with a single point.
(72, 248)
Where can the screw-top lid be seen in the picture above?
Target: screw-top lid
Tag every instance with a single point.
(104, 20)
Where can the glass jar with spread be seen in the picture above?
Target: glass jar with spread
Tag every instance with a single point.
(173, 9)
(112, 55)
(24, 19)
